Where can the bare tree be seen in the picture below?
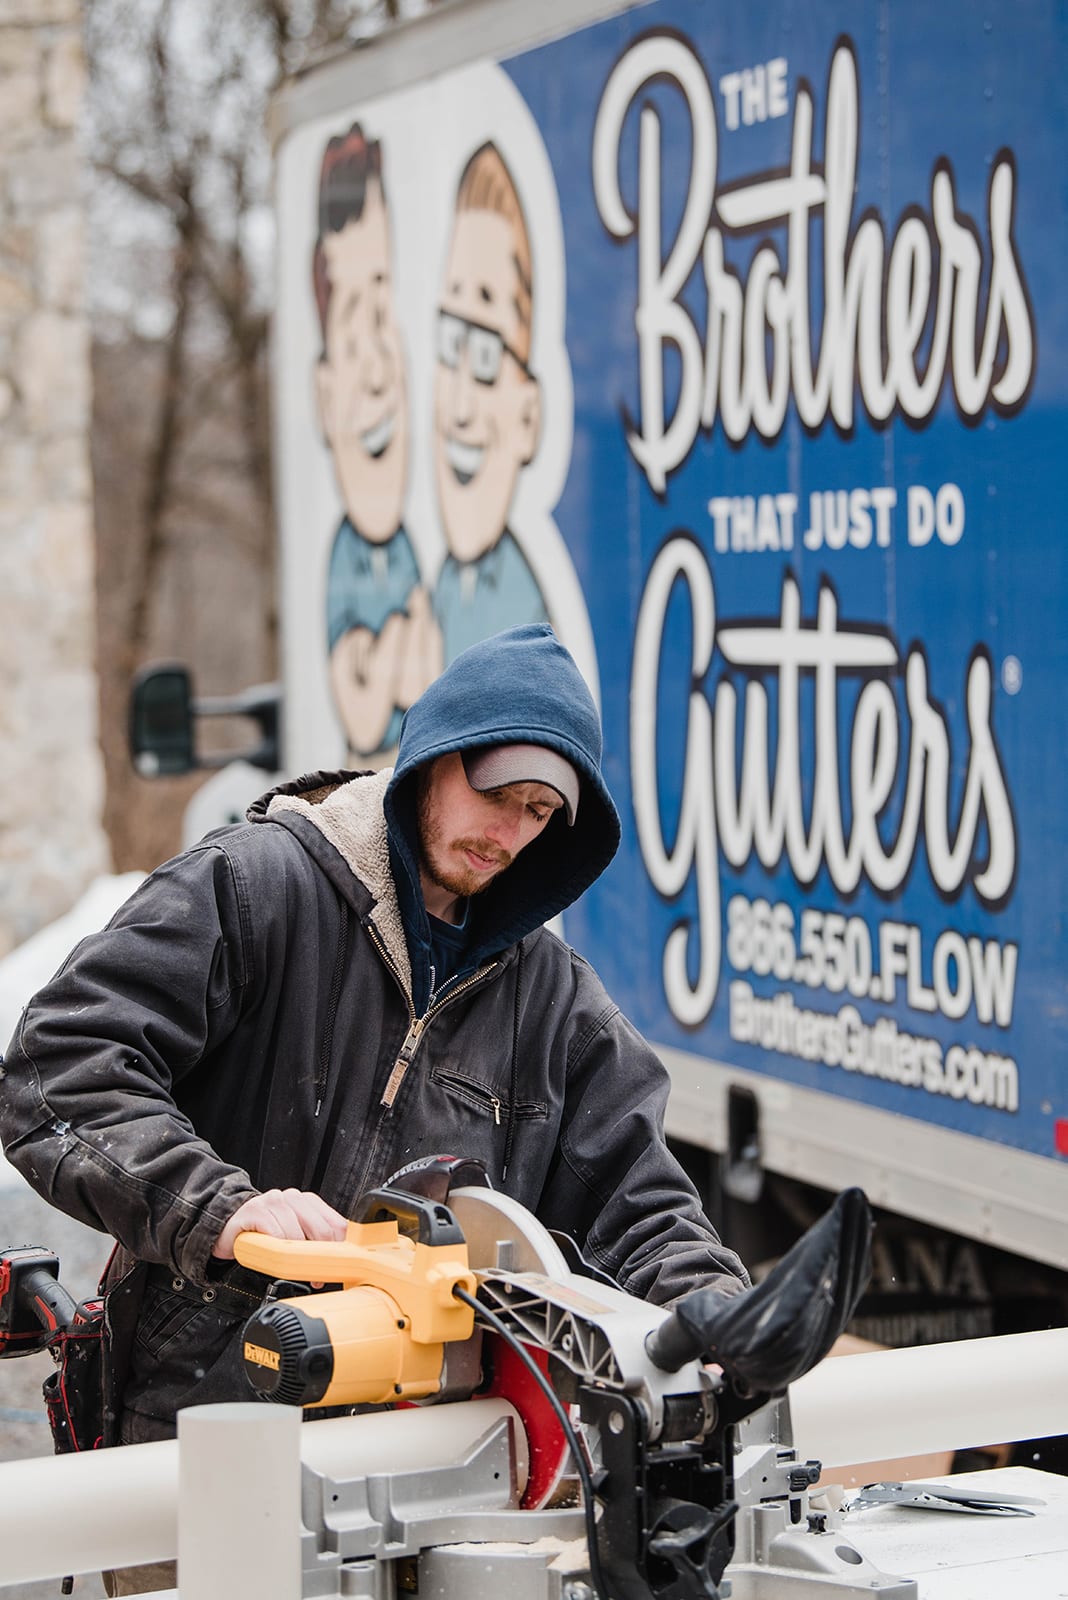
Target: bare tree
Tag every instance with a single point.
(181, 238)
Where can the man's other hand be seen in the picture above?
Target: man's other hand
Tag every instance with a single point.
(284, 1214)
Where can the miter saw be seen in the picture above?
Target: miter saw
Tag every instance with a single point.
(549, 1435)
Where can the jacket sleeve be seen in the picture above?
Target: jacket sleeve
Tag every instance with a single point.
(87, 1109)
(615, 1181)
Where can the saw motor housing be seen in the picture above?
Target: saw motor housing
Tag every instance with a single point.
(381, 1336)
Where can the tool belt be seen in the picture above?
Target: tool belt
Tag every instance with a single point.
(74, 1390)
(83, 1394)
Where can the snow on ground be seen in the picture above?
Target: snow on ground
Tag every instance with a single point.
(31, 964)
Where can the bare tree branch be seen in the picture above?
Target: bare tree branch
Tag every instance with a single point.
(164, 452)
(177, 106)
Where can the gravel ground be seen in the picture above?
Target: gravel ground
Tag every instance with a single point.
(24, 1219)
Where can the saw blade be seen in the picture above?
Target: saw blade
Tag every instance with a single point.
(503, 1234)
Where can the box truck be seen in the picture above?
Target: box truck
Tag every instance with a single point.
(733, 342)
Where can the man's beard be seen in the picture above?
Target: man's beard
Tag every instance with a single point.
(441, 860)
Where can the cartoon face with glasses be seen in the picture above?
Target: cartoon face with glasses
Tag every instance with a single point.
(487, 408)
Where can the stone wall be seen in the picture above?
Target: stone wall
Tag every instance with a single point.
(51, 790)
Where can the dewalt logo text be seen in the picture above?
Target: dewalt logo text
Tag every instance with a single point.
(261, 1357)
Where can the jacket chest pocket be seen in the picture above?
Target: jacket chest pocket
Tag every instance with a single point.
(486, 1099)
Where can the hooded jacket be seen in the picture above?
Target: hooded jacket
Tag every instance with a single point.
(259, 1015)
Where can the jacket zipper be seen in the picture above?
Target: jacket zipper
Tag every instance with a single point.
(400, 1066)
(418, 1025)
(415, 1033)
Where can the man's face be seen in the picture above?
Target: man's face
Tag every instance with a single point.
(467, 838)
(486, 406)
(360, 380)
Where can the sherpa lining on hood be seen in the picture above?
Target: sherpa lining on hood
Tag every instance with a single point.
(349, 815)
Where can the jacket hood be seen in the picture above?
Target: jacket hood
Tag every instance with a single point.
(519, 687)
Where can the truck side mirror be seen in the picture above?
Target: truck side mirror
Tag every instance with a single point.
(161, 722)
(163, 717)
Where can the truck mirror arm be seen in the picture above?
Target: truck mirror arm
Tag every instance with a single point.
(162, 723)
(262, 704)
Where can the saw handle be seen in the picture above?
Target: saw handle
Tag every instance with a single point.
(425, 1221)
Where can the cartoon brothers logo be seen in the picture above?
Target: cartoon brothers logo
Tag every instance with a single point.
(389, 632)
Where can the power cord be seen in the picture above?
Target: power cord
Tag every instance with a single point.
(581, 1465)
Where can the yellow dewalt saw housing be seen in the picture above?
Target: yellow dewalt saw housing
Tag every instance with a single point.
(381, 1335)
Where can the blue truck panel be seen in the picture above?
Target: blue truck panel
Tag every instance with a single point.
(778, 357)
(819, 403)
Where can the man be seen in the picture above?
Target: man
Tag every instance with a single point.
(487, 409)
(357, 977)
(383, 643)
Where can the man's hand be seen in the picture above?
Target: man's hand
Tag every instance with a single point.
(284, 1214)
